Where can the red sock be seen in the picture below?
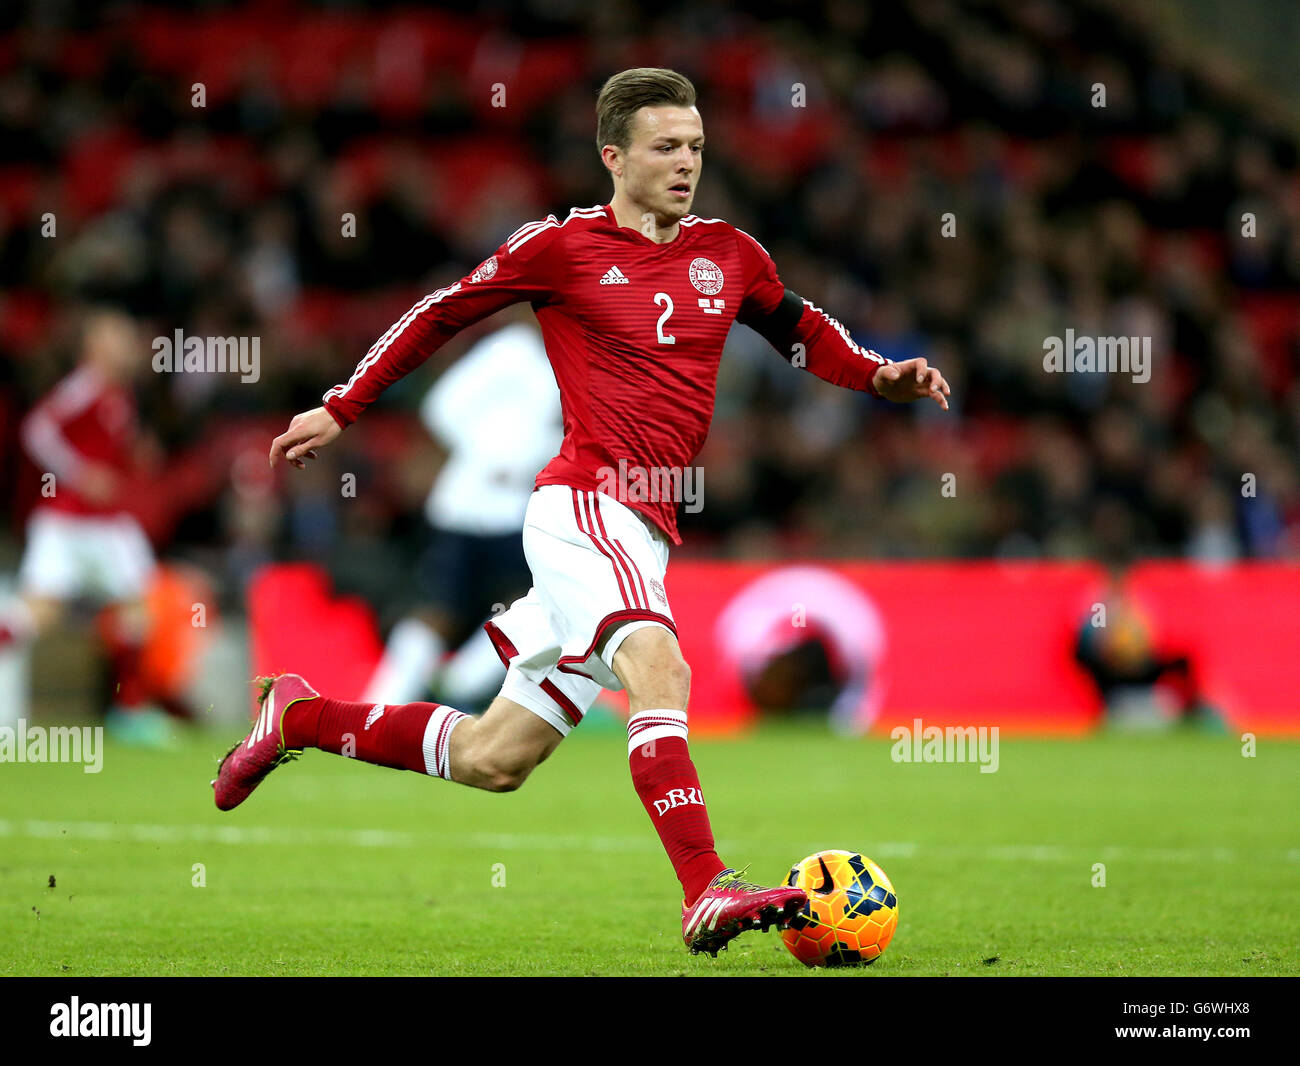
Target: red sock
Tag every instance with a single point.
(128, 682)
(668, 785)
(409, 736)
(125, 649)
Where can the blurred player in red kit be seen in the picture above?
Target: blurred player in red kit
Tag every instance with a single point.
(634, 300)
(82, 541)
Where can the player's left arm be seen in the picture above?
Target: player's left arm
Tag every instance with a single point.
(807, 336)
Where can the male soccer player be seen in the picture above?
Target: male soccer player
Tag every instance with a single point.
(82, 540)
(634, 299)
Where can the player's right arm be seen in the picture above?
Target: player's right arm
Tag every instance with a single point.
(519, 271)
(308, 431)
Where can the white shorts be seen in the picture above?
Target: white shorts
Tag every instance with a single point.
(595, 563)
(67, 555)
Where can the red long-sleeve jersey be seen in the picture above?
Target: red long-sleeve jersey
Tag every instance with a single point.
(85, 418)
(634, 331)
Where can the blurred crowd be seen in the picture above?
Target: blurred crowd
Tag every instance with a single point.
(942, 177)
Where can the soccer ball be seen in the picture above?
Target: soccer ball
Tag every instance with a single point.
(851, 913)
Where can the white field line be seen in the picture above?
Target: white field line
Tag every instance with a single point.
(279, 836)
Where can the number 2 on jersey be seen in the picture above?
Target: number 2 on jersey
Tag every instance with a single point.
(662, 299)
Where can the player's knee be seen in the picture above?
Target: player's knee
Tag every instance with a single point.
(496, 770)
(505, 776)
(664, 683)
(46, 613)
(677, 679)
(650, 665)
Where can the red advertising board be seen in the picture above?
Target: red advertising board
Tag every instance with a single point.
(952, 643)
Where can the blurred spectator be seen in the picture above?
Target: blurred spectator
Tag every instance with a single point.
(1142, 685)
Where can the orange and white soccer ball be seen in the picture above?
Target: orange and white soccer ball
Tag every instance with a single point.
(851, 913)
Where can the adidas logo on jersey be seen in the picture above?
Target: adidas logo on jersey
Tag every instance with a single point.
(376, 713)
(614, 276)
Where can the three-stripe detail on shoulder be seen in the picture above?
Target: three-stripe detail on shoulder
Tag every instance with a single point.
(516, 240)
(529, 230)
(394, 331)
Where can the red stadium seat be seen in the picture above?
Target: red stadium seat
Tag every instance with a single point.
(1274, 323)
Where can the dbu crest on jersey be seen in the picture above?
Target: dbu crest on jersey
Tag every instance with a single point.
(486, 270)
(706, 276)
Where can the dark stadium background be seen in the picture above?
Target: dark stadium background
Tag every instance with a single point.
(1123, 220)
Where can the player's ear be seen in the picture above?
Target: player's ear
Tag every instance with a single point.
(612, 156)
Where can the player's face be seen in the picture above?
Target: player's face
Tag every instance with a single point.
(661, 166)
(113, 344)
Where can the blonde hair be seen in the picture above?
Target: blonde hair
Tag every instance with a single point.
(624, 94)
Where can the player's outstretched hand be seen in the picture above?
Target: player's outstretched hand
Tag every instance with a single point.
(308, 431)
(911, 380)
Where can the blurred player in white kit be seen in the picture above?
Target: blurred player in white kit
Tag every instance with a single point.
(496, 410)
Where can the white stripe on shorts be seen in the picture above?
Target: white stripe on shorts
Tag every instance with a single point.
(586, 510)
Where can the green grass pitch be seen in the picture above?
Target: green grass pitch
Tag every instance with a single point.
(338, 868)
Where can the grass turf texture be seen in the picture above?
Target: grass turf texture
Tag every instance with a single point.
(338, 868)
